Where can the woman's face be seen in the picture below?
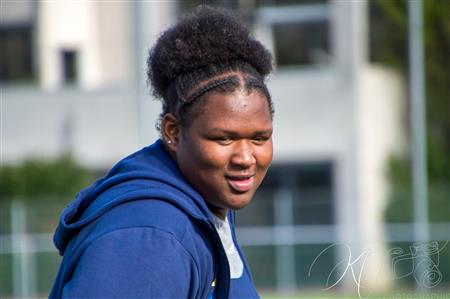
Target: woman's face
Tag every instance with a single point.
(226, 150)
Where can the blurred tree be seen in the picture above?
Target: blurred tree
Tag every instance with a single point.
(37, 178)
(388, 44)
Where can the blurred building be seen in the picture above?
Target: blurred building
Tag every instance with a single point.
(73, 79)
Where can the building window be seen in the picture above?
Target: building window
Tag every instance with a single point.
(301, 43)
(313, 195)
(288, 223)
(69, 66)
(299, 34)
(260, 212)
(311, 191)
(16, 56)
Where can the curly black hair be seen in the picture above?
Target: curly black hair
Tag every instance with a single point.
(209, 50)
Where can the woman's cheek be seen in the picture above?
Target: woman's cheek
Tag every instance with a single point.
(213, 155)
(265, 155)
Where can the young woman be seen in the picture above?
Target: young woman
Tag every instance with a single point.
(160, 224)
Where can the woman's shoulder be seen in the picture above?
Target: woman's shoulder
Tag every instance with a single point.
(140, 239)
(150, 214)
(153, 213)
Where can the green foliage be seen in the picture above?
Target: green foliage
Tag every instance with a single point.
(389, 33)
(38, 178)
(388, 30)
(400, 208)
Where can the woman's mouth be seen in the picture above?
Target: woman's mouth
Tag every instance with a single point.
(241, 183)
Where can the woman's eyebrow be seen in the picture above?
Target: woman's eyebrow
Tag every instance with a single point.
(228, 132)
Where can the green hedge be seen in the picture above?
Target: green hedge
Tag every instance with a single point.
(36, 177)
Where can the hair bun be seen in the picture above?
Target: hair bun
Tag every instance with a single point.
(206, 38)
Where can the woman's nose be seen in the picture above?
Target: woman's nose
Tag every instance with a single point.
(243, 155)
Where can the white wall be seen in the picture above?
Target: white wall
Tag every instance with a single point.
(311, 115)
(99, 127)
(151, 17)
(380, 134)
(100, 32)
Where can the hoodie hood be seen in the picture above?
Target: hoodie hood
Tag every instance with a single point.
(148, 173)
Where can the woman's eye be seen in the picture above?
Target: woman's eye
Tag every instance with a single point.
(224, 140)
(260, 139)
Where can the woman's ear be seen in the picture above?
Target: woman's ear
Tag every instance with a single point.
(170, 130)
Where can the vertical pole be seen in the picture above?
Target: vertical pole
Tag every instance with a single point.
(150, 17)
(24, 270)
(137, 6)
(418, 138)
(284, 234)
(15, 240)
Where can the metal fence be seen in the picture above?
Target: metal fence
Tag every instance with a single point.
(279, 255)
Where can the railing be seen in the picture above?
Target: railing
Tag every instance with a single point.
(24, 247)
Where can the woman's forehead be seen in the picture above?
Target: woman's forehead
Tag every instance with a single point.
(239, 107)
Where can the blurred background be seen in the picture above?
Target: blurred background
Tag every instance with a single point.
(335, 216)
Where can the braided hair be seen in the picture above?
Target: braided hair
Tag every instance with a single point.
(207, 51)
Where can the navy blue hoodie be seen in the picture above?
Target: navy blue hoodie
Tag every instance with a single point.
(142, 231)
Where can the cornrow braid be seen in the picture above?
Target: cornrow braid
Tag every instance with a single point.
(232, 80)
(253, 83)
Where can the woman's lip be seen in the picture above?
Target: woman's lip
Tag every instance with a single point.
(240, 184)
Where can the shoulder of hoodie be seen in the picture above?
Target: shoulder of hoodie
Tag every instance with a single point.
(128, 220)
(150, 213)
